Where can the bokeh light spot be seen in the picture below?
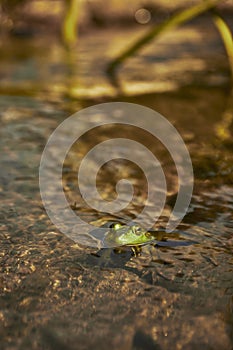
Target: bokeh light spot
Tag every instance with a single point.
(143, 16)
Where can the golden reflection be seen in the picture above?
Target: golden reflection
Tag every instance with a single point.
(223, 128)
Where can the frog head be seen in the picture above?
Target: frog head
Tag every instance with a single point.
(127, 235)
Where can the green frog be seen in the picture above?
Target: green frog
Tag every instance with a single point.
(125, 238)
(119, 235)
(121, 238)
(123, 235)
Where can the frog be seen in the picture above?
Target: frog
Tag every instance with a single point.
(119, 242)
(120, 235)
(124, 235)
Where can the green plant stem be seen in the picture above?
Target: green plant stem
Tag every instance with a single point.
(155, 31)
(70, 22)
(226, 36)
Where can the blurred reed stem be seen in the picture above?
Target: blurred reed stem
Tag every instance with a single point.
(70, 22)
(224, 127)
(226, 36)
(157, 30)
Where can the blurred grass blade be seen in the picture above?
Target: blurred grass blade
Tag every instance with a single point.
(224, 127)
(226, 36)
(157, 30)
(70, 22)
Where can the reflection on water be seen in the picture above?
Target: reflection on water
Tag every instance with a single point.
(57, 294)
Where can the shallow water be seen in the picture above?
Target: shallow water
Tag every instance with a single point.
(56, 294)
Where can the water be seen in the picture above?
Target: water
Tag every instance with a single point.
(56, 294)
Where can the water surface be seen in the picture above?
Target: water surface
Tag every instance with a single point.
(56, 294)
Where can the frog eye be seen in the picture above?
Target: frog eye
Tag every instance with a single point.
(115, 226)
(137, 231)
